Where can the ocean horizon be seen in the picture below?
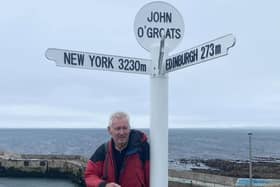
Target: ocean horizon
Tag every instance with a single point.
(184, 143)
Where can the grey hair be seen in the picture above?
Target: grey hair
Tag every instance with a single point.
(118, 115)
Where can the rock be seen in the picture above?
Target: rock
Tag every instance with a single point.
(241, 169)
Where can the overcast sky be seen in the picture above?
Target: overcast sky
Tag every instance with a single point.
(241, 89)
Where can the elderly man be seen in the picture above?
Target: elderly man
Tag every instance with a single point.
(123, 161)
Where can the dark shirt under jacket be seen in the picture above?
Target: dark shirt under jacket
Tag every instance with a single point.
(119, 159)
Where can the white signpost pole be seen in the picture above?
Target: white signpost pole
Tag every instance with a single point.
(159, 28)
(158, 126)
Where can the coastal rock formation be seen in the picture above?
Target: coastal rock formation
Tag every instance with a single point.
(236, 168)
(203, 172)
(72, 167)
(52, 166)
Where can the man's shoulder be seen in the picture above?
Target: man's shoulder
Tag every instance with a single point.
(137, 136)
(100, 153)
(139, 144)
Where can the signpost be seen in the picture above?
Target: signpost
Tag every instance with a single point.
(202, 53)
(155, 21)
(158, 28)
(95, 61)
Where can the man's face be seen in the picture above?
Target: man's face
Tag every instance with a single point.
(119, 131)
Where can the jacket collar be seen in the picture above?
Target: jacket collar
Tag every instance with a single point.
(136, 139)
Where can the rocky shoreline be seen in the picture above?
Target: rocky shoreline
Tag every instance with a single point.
(71, 167)
(268, 168)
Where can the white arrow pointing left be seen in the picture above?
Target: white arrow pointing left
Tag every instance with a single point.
(95, 61)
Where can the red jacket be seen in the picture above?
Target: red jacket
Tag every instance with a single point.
(135, 170)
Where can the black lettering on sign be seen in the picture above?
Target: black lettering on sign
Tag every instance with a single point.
(170, 33)
(194, 55)
(161, 32)
(218, 49)
(211, 49)
(178, 33)
(160, 17)
(109, 63)
(207, 50)
(189, 57)
(97, 61)
(126, 64)
(168, 64)
(155, 32)
(150, 32)
(203, 52)
(132, 65)
(75, 59)
(67, 58)
(101, 61)
(140, 32)
(138, 66)
(91, 60)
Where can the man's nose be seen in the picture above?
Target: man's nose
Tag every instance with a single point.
(121, 131)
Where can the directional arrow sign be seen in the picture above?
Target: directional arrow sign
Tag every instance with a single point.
(202, 53)
(84, 60)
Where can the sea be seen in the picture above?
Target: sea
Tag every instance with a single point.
(229, 144)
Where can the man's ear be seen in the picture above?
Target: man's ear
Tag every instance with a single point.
(109, 129)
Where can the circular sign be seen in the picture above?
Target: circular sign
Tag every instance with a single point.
(158, 20)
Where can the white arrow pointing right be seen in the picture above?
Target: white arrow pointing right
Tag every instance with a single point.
(210, 50)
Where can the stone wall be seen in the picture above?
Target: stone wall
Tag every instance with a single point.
(52, 166)
(72, 167)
